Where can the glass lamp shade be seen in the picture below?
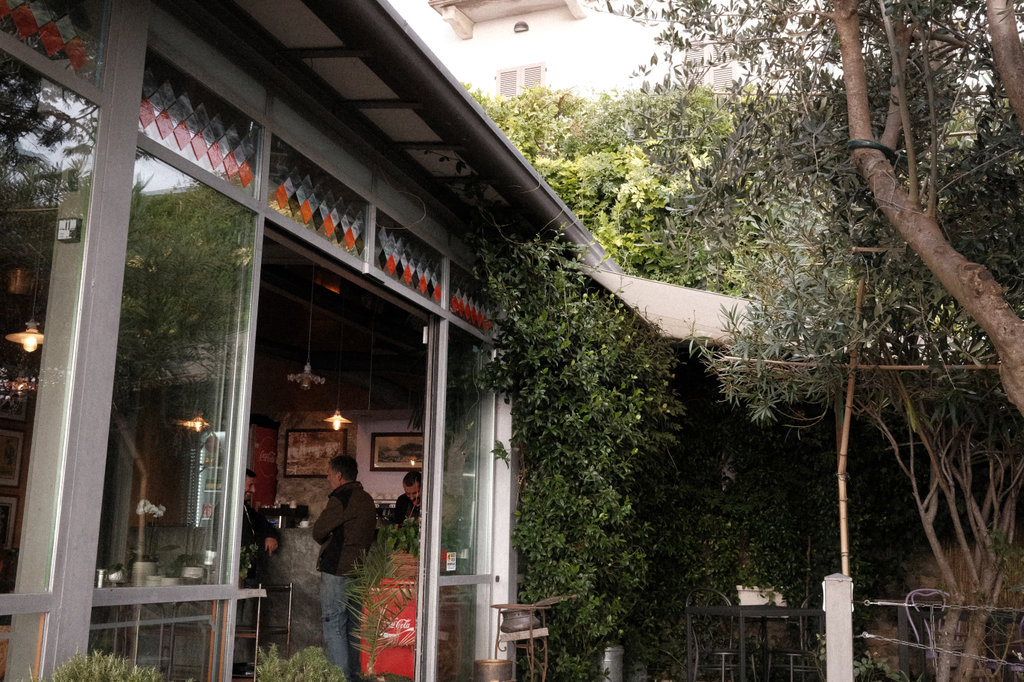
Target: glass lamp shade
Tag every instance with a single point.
(337, 420)
(30, 338)
(307, 378)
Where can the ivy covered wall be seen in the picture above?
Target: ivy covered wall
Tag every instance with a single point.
(639, 484)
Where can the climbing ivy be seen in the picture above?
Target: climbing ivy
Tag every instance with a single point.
(594, 412)
(638, 483)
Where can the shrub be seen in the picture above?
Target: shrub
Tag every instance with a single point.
(99, 667)
(310, 665)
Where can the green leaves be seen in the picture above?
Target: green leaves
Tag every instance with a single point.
(592, 405)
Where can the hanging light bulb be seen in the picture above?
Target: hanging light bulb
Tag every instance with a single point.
(197, 424)
(307, 378)
(31, 338)
(337, 420)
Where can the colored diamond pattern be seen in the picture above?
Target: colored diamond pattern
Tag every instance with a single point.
(409, 261)
(56, 31)
(198, 135)
(467, 304)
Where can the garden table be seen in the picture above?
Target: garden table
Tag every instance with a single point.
(742, 614)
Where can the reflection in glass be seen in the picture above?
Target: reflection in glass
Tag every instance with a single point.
(180, 358)
(462, 614)
(465, 505)
(468, 301)
(45, 175)
(181, 640)
(67, 32)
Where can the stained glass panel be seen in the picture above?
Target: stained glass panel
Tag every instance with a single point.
(189, 119)
(304, 192)
(467, 300)
(64, 31)
(407, 259)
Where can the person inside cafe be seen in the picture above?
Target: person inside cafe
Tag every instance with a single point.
(257, 530)
(408, 504)
(345, 530)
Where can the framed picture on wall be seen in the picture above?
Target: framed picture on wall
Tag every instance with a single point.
(8, 512)
(309, 451)
(10, 457)
(396, 452)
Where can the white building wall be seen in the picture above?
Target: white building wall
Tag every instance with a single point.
(598, 53)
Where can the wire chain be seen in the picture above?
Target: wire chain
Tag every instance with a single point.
(947, 607)
(915, 645)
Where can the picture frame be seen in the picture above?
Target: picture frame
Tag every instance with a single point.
(396, 452)
(309, 451)
(11, 443)
(8, 516)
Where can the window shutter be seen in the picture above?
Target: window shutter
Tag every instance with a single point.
(533, 75)
(507, 85)
(512, 82)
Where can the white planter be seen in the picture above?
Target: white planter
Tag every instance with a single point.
(756, 596)
(141, 571)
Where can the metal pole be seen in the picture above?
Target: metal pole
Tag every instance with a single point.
(844, 444)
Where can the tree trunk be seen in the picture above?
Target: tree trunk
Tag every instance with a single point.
(971, 284)
(1007, 51)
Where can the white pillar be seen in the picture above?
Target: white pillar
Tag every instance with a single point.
(838, 589)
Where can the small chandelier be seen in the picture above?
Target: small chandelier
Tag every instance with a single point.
(307, 378)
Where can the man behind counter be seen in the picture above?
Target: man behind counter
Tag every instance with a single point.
(345, 531)
(408, 505)
(256, 530)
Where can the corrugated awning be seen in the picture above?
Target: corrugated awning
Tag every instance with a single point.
(679, 312)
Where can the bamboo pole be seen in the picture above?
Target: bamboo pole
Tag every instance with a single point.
(844, 444)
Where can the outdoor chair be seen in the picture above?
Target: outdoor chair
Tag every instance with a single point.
(715, 646)
(799, 648)
(927, 607)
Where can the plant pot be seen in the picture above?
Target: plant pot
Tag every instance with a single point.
(758, 596)
(141, 571)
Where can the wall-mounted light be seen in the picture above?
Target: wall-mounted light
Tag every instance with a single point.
(521, 27)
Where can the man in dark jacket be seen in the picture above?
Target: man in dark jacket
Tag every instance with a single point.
(345, 531)
(256, 530)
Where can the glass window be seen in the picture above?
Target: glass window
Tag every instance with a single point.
(467, 300)
(68, 32)
(308, 195)
(21, 637)
(181, 640)
(407, 259)
(466, 501)
(181, 349)
(189, 119)
(462, 615)
(45, 175)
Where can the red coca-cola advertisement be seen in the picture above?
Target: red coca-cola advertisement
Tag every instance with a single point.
(265, 465)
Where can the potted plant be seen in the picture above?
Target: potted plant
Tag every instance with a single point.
(309, 665)
(381, 588)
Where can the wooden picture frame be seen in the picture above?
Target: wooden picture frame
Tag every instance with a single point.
(396, 452)
(8, 515)
(11, 443)
(309, 451)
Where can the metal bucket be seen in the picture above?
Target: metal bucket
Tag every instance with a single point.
(493, 670)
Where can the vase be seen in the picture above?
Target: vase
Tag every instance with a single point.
(141, 571)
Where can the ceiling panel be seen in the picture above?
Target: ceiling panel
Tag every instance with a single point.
(351, 78)
(291, 22)
(401, 125)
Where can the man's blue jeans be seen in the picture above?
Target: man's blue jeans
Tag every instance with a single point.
(339, 625)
